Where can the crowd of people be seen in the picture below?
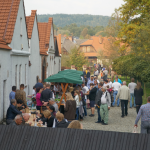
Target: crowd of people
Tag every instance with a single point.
(96, 92)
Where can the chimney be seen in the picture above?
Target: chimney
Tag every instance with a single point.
(100, 39)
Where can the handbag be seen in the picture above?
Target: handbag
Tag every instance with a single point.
(87, 101)
(135, 130)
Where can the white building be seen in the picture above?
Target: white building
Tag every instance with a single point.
(27, 50)
(34, 58)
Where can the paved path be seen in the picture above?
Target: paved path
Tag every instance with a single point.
(115, 123)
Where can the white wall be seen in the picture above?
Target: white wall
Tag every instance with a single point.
(57, 64)
(20, 29)
(5, 75)
(35, 58)
(19, 56)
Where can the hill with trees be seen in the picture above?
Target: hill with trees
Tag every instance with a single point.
(61, 20)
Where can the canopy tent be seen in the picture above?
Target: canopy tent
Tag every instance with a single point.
(72, 72)
(65, 77)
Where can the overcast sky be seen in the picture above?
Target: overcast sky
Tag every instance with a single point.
(94, 7)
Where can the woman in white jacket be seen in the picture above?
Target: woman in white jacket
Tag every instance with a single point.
(77, 99)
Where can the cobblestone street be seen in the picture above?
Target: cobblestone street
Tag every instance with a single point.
(115, 123)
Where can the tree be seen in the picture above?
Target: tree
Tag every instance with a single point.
(77, 58)
(84, 32)
(133, 13)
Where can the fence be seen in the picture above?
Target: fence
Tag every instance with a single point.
(35, 138)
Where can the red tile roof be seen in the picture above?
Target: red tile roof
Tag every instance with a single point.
(8, 15)
(3, 45)
(44, 35)
(99, 44)
(30, 23)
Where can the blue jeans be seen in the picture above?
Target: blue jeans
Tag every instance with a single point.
(132, 96)
(77, 113)
(99, 117)
(115, 94)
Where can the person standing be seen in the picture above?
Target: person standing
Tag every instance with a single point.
(144, 114)
(118, 80)
(92, 96)
(21, 94)
(124, 96)
(70, 107)
(85, 92)
(90, 81)
(96, 72)
(84, 73)
(38, 95)
(12, 93)
(105, 106)
(112, 75)
(116, 86)
(132, 86)
(98, 101)
(39, 84)
(77, 99)
(46, 95)
(110, 83)
(138, 93)
(88, 75)
(106, 72)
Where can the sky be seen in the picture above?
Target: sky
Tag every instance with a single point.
(93, 7)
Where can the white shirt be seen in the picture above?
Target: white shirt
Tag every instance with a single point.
(33, 93)
(106, 85)
(132, 86)
(103, 98)
(98, 81)
(77, 101)
(110, 84)
(55, 88)
(106, 72)
(96, 72)
(116, 86)
(85, 90)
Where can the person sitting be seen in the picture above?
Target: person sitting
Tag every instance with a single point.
(53, 103)
(25, 119)
(49, 118)
(12, 112)
(61, 122)
(75, 124)
(51, 109)
(19, 105)
(70, 107)
(17, 121)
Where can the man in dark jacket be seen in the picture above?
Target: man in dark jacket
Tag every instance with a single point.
(46, 95)
(12, 112)
(98, 101)
(92, 96)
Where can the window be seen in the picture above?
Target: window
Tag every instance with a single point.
(84, 49)
(88, 49)
(16, 76)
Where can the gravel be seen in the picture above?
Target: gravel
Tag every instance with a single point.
(115, 123)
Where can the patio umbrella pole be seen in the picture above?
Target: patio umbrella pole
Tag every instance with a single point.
(64, 91)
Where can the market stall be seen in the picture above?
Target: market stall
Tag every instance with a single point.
(65, 77)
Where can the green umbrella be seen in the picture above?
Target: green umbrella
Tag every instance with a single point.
(72, 72)
(65, 78)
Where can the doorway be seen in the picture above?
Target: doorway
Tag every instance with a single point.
(43, 69)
